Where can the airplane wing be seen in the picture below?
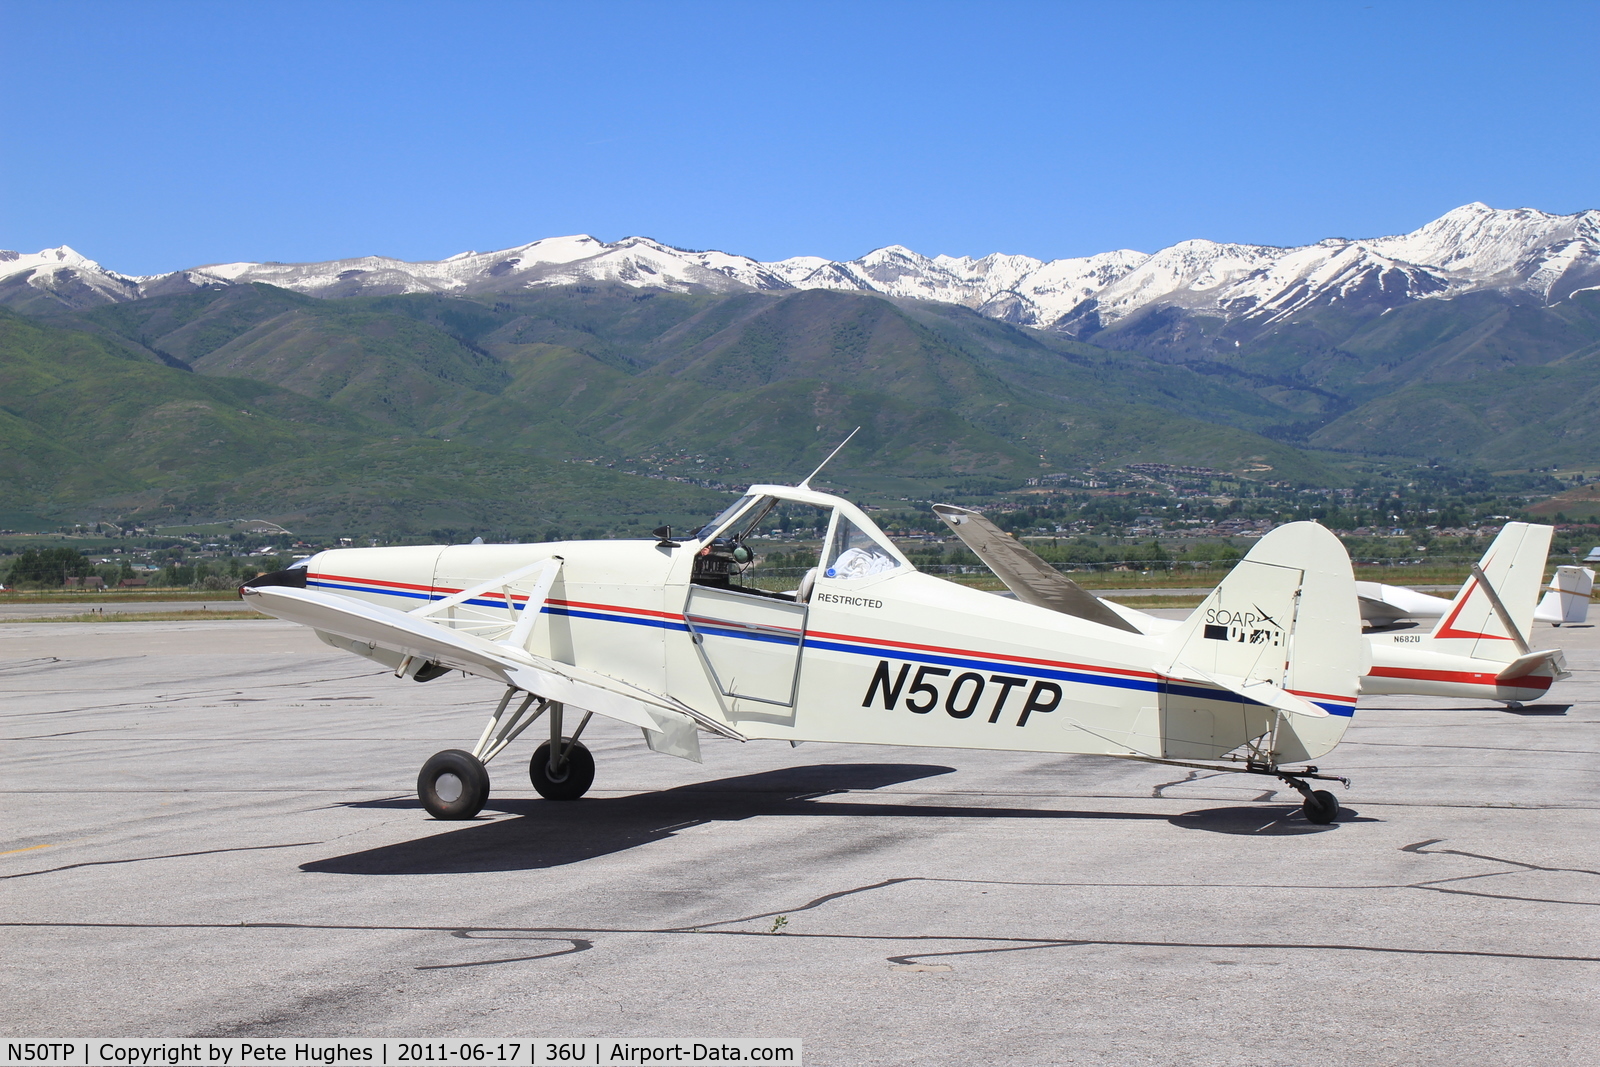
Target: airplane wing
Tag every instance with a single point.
(411, 635)
(1032, 579)
(1384, 605)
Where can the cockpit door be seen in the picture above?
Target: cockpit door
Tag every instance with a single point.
(750, 644)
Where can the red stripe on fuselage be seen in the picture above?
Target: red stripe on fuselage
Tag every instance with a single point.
(1526, 681)
(649, 612)
(440, 590)
(377, 581)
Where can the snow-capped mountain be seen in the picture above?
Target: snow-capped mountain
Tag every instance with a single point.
(1536, 255)
(73, 279)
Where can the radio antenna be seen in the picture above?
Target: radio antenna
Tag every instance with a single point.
(805, 483)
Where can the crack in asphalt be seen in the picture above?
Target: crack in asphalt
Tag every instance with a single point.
(578, 944)
(1005, 943)
(993, 943)
(144, 859)
(166, 701)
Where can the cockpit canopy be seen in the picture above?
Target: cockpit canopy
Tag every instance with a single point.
(854, 547)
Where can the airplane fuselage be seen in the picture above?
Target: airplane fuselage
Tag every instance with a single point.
(895, 658)
(1404, 664)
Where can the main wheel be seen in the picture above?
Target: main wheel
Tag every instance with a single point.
(453, 785)
(571, 781)
(1322, 808)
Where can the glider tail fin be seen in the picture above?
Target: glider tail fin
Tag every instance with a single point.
(1491, 616)
(1568, 599)
(1282, 631)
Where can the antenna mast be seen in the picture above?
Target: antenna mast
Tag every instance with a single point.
(805, 483)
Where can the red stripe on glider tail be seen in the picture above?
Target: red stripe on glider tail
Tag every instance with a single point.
(1526, 681)
(1447, 627)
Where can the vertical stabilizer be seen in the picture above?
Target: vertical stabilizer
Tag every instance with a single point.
(1283, 633)
(1567, 602)
(1513, 568)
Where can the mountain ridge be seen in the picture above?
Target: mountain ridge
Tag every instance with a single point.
(1529, 253)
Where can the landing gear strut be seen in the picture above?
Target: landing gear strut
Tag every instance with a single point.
(1320, 807)
(455, 784)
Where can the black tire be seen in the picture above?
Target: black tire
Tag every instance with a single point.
(1322, 808)
(453, 785)
(569, 783)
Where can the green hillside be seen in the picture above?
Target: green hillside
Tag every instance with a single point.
(92, 429)
(750, 384)
(1482, 378)
(540, 407)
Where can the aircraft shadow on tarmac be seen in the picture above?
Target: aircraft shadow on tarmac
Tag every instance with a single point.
(1537, 709)
(1526, 709)
(552, 834)
(1264, 820)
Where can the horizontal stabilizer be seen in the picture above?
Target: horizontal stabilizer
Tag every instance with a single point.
(1554, 660)
(1254, 689)
(1032, 579)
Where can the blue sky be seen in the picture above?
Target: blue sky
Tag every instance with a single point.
(153, 136)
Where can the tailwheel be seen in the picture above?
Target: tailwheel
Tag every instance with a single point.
(454, 785)
(566, 778)
(1321, 807)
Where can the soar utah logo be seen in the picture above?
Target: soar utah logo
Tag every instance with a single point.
(1253, 627)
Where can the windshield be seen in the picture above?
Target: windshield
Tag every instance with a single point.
(727, 513)
(731, 525)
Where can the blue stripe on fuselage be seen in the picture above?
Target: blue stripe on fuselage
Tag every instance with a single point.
(914, 656)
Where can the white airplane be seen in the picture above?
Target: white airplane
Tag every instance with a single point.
(659, 634)
(1477, 650)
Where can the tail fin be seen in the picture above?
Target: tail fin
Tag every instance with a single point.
(1282, 631)
(1568, 598)
(1513, 567)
